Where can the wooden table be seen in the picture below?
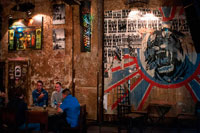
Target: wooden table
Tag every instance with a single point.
(50, 110)
(40, 115)
(37, 116)
(158, 109)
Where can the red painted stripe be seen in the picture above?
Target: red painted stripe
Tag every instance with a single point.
(197, 79)
(126, 64)
(136, 83)
(120, 82)
(171, 15)
(119, 100)
(129, 64)
(116, 68)
(171, 86)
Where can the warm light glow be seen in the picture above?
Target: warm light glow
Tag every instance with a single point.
(38, 17)
(18, 24)
(134, 14)
(31, 21)
(149, 16)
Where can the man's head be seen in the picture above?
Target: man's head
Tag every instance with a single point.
(66, 92)
(39, 85)
(58, 87)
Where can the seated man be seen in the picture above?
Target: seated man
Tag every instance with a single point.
(19, 107)
(71, 107)
(40, 95)
(69, 112)
(56, 97)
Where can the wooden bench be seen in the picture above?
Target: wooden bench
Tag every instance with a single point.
(82, 126)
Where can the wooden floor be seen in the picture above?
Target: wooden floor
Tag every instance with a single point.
(113, 128)
(106, 129)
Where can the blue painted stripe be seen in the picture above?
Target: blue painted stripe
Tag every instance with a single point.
(196, 88)
(120, 75)
(167, 11)
(138, 92)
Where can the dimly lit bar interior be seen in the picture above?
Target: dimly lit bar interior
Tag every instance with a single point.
(99, 66)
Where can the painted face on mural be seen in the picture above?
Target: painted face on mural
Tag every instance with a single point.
(164, 54)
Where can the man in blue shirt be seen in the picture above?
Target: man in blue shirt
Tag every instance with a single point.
(71, 107)
(40, 95)
(69, 112)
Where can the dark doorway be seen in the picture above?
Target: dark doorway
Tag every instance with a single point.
(2, 82)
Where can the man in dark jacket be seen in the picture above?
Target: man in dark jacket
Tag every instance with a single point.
(40, 95)
(19, 107)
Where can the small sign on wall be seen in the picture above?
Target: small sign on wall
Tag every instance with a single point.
(17, 71)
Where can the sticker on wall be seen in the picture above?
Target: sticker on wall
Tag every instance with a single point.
(17, 71)
(58, 39)
(58, 14)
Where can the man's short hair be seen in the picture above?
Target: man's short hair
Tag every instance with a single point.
(59, 83)
(39, 81)
(66, 91)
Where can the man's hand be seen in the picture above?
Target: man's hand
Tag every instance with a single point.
(59, 110)
(41, 96)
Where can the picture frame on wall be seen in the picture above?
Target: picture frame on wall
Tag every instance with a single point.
(25, 33)
(58, 39)
(59, 14)
(85, 26)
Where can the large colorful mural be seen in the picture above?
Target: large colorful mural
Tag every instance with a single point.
(147, 48)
